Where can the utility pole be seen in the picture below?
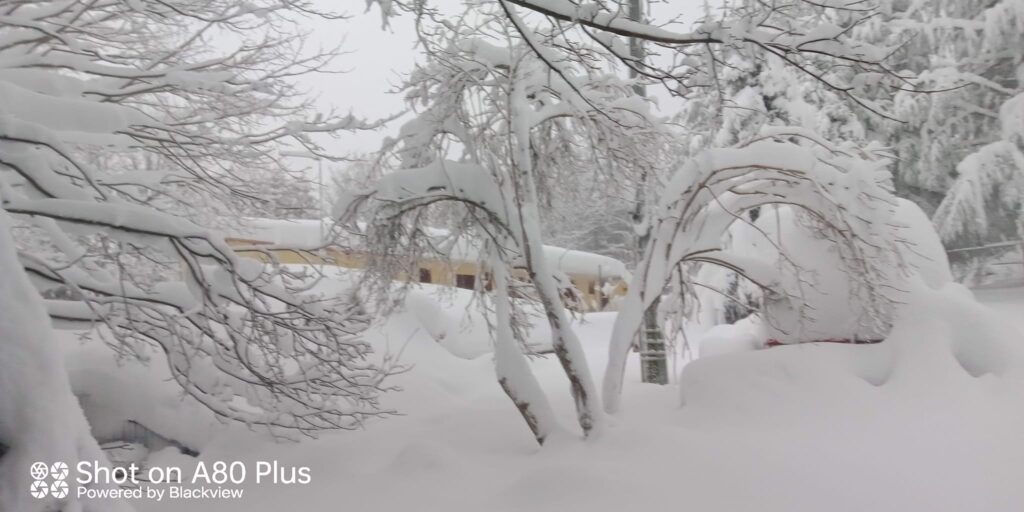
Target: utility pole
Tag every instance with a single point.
(651, 342)
(320, 196)
(636, 45)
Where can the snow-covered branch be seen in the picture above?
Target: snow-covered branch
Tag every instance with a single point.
(498, 136)
(841, 189)
(131, 134)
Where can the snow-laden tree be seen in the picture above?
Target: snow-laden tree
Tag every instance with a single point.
(844, 194)
(498, 133)
(754, 91)
(40, 418)
(597, 220)
(600, 34)
(819, 46)
(125, 129)
(986, 201)
(970, 52)
(798, 37)
(281, 196)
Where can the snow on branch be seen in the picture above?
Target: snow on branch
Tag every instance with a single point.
(800, 33)
(842, 190)
(128, 141)
(989, 189)
(500, 131)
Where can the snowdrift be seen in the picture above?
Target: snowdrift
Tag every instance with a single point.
(928, 420)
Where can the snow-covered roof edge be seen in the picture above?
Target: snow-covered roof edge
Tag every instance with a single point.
(309, 233)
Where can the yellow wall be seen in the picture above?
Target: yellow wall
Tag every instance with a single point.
(441, 273)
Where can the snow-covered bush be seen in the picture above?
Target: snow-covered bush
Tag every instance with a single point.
(842, 191)
(785, 240)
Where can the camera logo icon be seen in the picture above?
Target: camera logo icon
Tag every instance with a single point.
(48, 480)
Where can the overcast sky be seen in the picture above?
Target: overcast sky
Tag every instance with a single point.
(379, 57)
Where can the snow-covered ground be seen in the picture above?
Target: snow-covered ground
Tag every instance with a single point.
(1007, 301)
(929, 421)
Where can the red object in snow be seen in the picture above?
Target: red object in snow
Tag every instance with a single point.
(772, 342)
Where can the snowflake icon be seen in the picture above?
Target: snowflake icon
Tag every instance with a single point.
(59, 489)
(59, 471)
(39, 489)
(38, 471)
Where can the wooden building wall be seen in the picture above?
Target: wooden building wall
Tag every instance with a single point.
(459, 274)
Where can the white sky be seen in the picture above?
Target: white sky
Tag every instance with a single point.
(379, 57)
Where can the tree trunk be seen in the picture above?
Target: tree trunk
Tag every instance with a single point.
(651, 339)
(563, 339)
(511, 365)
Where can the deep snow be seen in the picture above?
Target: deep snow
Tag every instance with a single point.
(1009, 302)
(928, 421)
(40, 420)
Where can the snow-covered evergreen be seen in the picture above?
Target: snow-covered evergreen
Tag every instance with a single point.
(970, 54)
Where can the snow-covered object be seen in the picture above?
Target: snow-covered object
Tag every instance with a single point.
(451, 317)
(921, 247)
(455, 322)
(821, 283)
(312, 233)
(579, 262)
(291, 233)
(743, 336)
(809, 271)
(842, 188)
(941, 340)
(113, 393)
(40, 419)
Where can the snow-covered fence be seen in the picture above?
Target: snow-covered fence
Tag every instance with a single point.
(1000, 263)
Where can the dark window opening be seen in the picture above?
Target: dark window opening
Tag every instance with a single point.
(425, 276)
(466, 281)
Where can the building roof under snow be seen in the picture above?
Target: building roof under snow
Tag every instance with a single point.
(309, 234)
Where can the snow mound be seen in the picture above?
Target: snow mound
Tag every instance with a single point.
(113, 393)
(449, 316)
(819, 296)
(452, 317)
(924, 250)
(745, 335)
(943, 345)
